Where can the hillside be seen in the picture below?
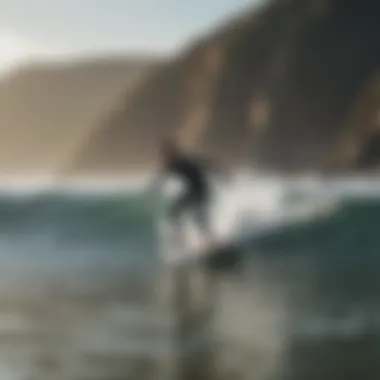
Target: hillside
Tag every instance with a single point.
(47, 111)
(291, 86)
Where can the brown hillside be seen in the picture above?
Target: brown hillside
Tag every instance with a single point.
(277, 87)
(47, 111)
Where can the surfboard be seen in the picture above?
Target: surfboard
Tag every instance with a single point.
(226, 254)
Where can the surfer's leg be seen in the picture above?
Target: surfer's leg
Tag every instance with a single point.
(179, 208)
(203, 220)
(176, 213)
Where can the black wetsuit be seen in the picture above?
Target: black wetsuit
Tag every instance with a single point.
(196, 198)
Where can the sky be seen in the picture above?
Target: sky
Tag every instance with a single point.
(33, 30)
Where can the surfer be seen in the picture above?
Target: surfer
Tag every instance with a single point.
(194, 172)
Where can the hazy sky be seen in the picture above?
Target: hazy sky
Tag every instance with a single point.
(42, 29)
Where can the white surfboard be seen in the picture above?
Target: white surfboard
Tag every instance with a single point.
(182, 245)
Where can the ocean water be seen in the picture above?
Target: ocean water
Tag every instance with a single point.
(79, 274)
